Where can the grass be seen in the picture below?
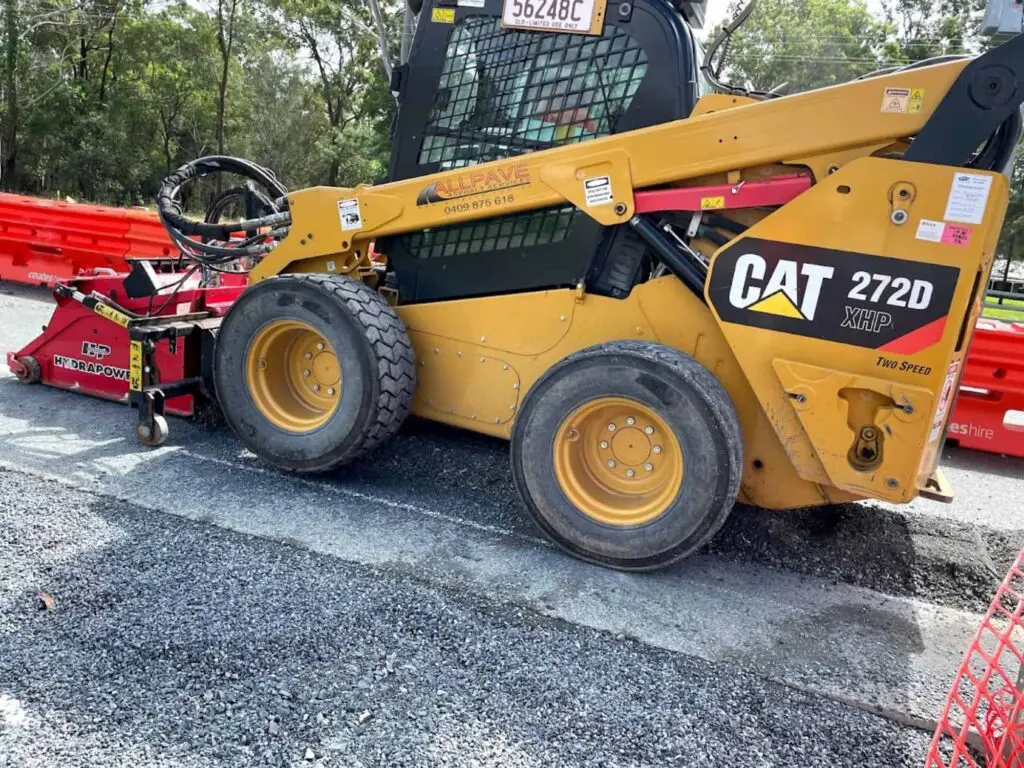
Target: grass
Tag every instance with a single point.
(1011, 309)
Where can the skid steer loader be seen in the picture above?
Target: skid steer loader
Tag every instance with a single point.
(667, 293)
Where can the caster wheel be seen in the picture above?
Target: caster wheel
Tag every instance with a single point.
(155, 436)
(31, 373)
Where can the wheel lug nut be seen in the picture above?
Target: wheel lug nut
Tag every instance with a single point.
(319, 345)
(630, 420)
(306, 372)
(316, 387)
(630, 473)
(604, 443)
(261, 363)
(309, 355)
(611, 427)
(648, 430)
(611, 463)
(656, 449)
(649, 467)
(330, 390)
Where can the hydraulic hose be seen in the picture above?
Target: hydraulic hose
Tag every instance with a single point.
(209, 242)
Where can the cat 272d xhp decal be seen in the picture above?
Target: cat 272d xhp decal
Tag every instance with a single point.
(876, 302)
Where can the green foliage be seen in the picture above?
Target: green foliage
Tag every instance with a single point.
(805, 44)
(814, 43)
(101, 99)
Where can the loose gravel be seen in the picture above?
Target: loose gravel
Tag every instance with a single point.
(939, 560)
(175, 643)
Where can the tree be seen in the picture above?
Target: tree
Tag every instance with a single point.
(226, 11)
(815, 43)
(1011, 240)
(805, 44)
(343, 42)
(9, 118)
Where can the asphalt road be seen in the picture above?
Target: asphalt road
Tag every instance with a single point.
(819, 637)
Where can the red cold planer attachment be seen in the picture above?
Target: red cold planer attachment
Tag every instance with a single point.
(132, 337)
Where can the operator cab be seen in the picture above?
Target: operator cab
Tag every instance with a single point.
(478, 89)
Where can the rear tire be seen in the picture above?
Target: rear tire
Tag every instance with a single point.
(313, 371)
(628, 455)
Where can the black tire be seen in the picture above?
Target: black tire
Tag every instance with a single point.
(687, 397)
(374, 352)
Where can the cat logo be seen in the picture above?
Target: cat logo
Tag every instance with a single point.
(781, 294)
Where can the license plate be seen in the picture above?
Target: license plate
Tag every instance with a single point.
(584, 17)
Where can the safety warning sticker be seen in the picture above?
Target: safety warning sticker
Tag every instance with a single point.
(916, 100)
(712, 203)
(442, 15)
(896, 100)
(945, 400)
(597, 190)
(968, 197)
(348, 212)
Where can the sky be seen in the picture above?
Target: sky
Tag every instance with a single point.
(714, 13)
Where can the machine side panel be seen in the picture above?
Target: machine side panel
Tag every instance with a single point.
(849, 310)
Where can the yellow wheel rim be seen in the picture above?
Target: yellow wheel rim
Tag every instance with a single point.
(294, 376)
(617, 461)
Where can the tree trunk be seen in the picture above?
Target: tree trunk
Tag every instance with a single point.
(382, 37)
(9, 127)
(108, 57)
(225, 40)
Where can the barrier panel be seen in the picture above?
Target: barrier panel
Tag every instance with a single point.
(989, 411)
(45, 241)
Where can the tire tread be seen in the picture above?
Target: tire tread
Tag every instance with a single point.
(389, 342)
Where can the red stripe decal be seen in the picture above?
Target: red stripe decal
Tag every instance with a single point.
(917, 340)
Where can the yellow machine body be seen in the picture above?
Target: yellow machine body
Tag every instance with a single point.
(841, 394)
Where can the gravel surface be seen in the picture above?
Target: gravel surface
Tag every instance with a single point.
(894, 551)
(176, 643)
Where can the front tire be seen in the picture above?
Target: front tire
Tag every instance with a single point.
(628, 454)
(313, 371)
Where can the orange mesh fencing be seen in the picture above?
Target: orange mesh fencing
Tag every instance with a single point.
(982, 723)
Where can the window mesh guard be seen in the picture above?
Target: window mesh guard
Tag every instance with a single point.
(504, 92)
(521, 230)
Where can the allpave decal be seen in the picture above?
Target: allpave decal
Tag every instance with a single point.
(475, 183)
(877, 302)
(85, 366)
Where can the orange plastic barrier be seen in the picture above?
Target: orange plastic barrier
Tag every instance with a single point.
(983, 720)
(989, 413)
(43, 241)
